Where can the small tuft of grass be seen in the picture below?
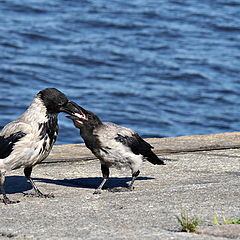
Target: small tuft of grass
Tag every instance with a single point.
(188, 224)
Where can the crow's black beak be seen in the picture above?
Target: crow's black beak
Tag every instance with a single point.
(73, 117)
(78, 119)
(70, 108)
(75, 112)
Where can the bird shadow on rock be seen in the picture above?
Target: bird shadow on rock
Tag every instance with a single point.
(16, 184)
(92, 182)
(19, 184)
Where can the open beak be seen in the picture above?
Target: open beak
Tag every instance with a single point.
(76, 113)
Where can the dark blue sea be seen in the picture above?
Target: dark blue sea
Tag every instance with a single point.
(163, 68)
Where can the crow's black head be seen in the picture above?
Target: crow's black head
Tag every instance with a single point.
(55, 101)
(84, 118)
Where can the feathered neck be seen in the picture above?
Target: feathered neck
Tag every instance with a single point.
(36, 112)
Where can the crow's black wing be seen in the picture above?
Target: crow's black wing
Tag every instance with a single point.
(7, 143)
(139, 146)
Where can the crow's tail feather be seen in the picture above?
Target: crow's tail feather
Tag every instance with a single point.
(154, 159)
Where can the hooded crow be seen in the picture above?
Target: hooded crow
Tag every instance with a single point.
(113, 145)
(29, 139)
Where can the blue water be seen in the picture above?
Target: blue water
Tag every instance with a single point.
(163, 68)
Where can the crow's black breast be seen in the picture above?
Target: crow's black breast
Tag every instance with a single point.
(49, 130)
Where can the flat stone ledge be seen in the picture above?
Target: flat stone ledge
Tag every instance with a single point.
(195, 177)
(162, 146)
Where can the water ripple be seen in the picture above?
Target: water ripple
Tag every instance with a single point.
(161, 68)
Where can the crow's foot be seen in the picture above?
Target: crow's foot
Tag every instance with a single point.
(6, 201)
(97, 191)
(39, 195)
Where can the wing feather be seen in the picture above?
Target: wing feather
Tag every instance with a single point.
(7, 143)
(139, 146)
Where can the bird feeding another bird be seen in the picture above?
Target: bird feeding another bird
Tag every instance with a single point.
(114, 145)
(28, 140)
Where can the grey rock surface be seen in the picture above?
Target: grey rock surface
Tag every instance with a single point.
(204, 182)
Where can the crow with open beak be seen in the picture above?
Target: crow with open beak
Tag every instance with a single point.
(29, 139)
(113, 145)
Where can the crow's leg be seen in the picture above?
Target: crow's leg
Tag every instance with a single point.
(38, 193)
(136, 164)
(5, 199)
(105, 173)
(134, 176)
(130, 186)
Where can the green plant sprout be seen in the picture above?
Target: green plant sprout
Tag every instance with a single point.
(232, 221)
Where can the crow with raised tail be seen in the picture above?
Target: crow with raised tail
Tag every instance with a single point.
(113, 145)
(29, 139)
